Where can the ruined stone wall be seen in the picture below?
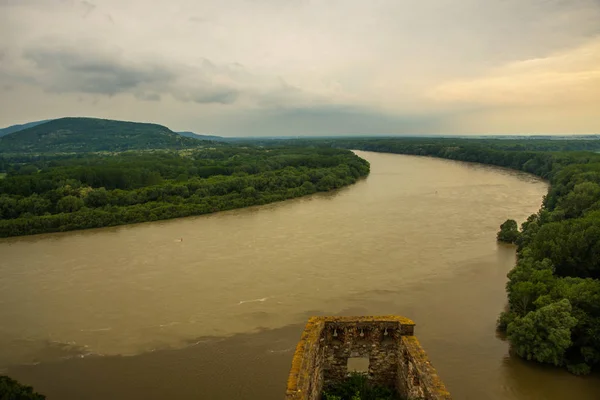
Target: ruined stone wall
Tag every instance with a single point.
(395, 357)
(417, 378)
(306, 375)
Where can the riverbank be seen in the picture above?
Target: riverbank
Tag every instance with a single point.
(554, 290)
(92, 191)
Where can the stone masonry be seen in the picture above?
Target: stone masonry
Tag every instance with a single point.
(395, 357)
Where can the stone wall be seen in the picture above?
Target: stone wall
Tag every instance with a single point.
(396, 358)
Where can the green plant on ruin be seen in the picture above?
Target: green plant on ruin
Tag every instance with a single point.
(357, 386)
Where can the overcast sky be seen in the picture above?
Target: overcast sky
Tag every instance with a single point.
(314, 67)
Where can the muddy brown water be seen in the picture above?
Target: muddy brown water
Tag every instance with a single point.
(133, 312)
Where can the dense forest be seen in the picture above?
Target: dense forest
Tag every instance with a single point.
(65, 192)
(80, 135)
(553, 313)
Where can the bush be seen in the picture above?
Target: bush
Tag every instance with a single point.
(358, 387)
(13, 390)
(505, 318)
(543, 335)
(509, 231)
(579, 369)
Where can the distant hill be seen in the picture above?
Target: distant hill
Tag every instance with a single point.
(17, 128)
(201, 137)
(74, 135)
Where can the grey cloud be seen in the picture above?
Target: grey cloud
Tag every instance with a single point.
(70, 71)
(217, 95)
(67, 71)
(326, 120)
(199, 20)
(207, 95)
(88, 7)
(284, 96)
(6, 3)
(148, 96)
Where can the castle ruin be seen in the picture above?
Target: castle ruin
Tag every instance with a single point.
(391, 356)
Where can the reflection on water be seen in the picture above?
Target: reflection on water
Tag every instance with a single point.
(217, 315)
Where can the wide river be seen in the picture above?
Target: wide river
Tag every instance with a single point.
(134, 312)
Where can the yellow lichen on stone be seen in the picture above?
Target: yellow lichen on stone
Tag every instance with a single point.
(424, 366)
(370, 318)
(309, 337)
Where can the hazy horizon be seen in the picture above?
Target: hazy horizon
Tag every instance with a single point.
(340, 134)
(306, 68)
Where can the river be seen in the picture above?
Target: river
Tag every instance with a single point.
(211, 307)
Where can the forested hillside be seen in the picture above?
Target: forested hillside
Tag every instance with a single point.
(20, 127)
(201, 137)
(554, 290)
(59, 193)
(79, 135)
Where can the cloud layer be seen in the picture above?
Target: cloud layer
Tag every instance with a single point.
(252, 67)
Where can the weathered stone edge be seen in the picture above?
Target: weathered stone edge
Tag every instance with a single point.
(432, 382)
(310, 335)
(369, 318)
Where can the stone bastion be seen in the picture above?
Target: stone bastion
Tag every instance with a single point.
(385, 345)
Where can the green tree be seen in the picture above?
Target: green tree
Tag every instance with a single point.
(8, 207)
(13, 390)
(96, 198)
(69, 204)
(27, 169)
(509, 231)
(583, 196)
(543, 335)
(34, 204)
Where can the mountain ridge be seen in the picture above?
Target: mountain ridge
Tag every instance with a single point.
(19, 127)
(195, 135)
(83, 134)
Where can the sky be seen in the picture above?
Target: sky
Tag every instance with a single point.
(306, 67)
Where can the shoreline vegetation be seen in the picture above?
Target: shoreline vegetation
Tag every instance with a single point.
(553, 313)
(57, 193)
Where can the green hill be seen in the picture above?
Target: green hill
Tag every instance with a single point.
(17, 128)
(78, 135)
(201, 137)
